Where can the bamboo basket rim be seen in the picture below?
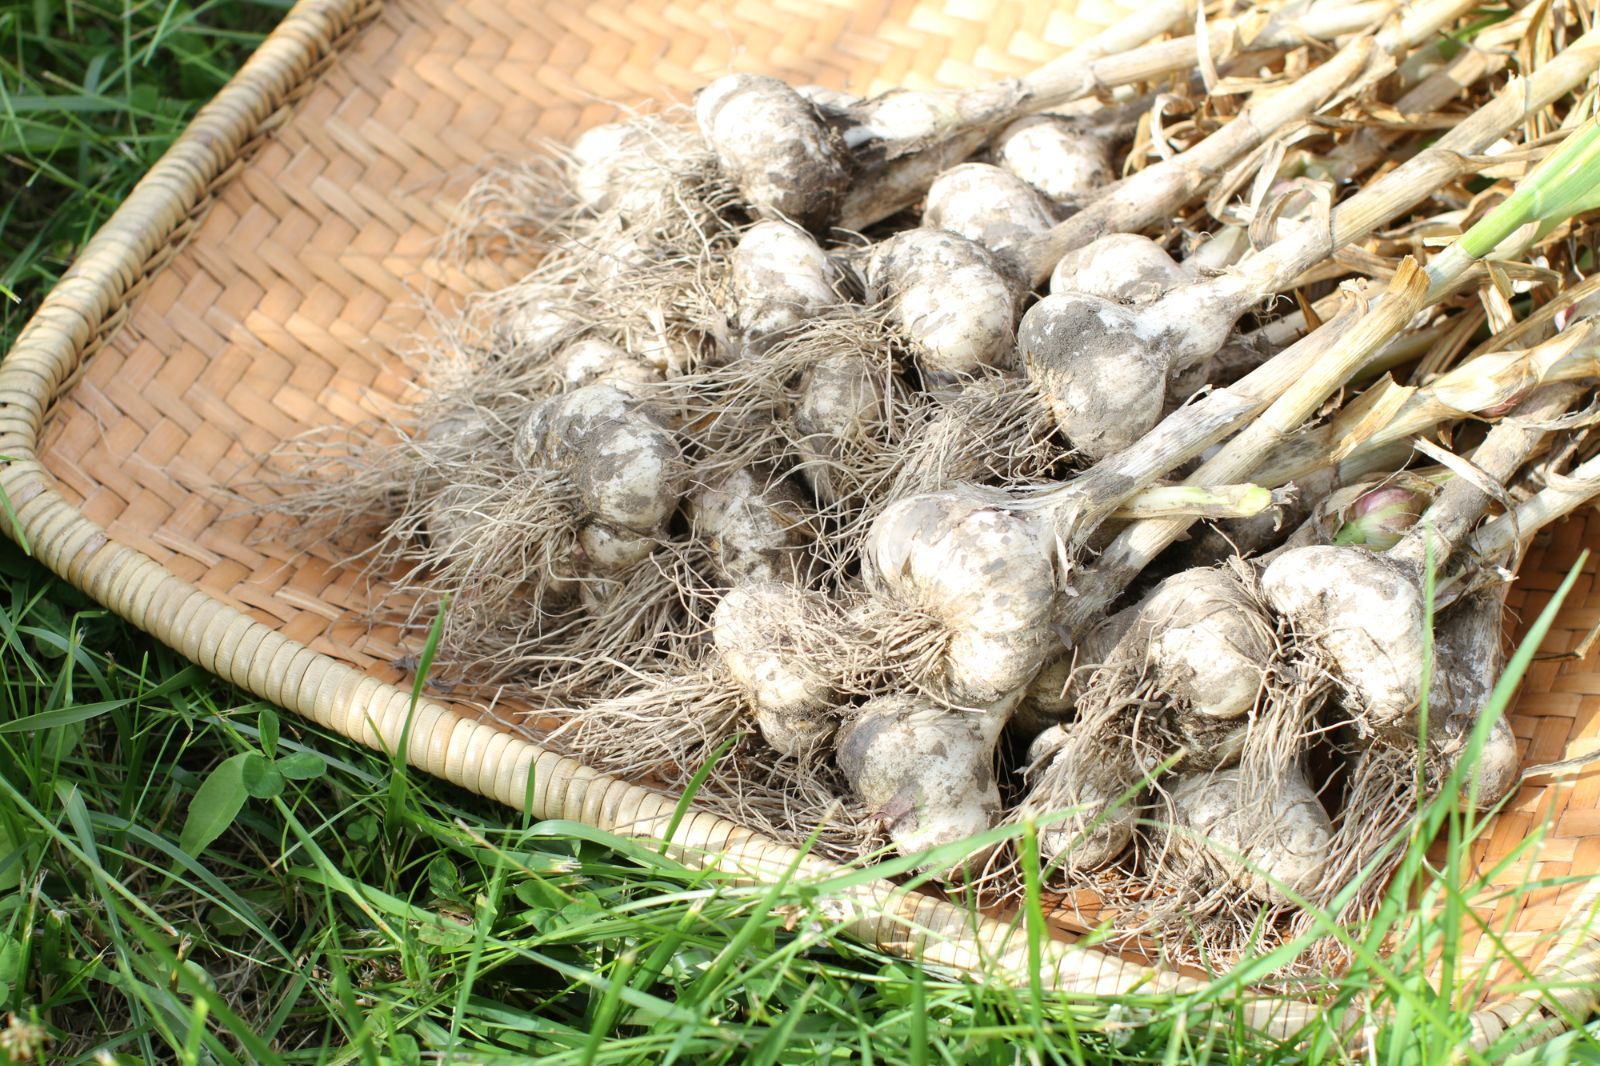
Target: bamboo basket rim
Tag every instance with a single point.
(91, 301)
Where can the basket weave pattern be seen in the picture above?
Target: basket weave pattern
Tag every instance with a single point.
(269, 275)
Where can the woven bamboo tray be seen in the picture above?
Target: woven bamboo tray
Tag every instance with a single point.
(267, 274)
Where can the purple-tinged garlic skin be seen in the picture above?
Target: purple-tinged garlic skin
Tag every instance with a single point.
(1378, 519)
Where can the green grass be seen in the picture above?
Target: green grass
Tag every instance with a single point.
(187, 875)
(191, 876)
(91, 94)
(344, 913)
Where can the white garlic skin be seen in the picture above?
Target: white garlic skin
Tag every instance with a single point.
(950, 296)
(1067, 164)
(780, 278)
(983, 571)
